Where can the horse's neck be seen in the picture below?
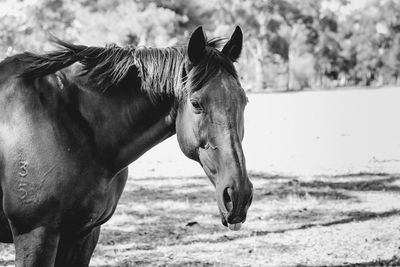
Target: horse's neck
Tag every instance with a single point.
(125, 125)
(150, 126)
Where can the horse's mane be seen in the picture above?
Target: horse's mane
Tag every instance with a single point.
(162, 70)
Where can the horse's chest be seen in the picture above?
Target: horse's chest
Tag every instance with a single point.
(90, 207)
(94, 203)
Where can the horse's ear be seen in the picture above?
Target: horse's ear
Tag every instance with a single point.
(233, 47)
(197, 46)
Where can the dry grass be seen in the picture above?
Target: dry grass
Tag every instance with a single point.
(327, 221)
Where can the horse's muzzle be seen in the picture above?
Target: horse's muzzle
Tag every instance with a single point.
(235, 202)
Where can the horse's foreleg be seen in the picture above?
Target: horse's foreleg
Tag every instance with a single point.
(77, 252)
(36, 248)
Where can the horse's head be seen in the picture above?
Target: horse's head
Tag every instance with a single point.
(209, 123)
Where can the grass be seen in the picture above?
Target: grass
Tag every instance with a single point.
(313, 223)
(350, 220)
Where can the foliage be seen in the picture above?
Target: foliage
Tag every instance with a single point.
(289, 44)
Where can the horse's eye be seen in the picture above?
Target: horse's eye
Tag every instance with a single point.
(196, 105)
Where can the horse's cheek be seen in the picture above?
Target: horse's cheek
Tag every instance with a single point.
(188, 142)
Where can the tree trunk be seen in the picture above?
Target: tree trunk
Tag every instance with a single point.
(288, 74)
(259, 68)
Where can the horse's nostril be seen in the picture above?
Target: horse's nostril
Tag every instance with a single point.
(227, 200)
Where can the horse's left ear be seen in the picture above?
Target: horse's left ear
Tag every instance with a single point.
(233, 47)
(197, 46)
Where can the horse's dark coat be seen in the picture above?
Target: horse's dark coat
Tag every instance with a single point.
(68, 132)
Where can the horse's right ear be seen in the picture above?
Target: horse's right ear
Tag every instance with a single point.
(197, 46)
(233, 47)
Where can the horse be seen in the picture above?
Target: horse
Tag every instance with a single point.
(73, 119)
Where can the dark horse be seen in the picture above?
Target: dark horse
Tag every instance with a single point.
(72, 120)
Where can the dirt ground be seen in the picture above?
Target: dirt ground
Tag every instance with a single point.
(351, 220)
(327, 221)
(326, 174)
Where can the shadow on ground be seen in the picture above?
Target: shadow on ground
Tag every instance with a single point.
(167, 212)
(174, 221)
(395, 261)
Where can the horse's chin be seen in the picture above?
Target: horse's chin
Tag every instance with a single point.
(232, 227)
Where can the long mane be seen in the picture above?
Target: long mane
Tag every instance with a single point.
(161, 70)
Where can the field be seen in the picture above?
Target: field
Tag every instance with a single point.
(326, 170)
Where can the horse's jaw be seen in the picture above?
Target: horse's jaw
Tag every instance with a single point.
(225, 207)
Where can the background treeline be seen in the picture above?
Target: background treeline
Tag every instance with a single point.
(289, 44)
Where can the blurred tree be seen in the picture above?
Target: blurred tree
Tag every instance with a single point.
(127, 22)
(288, 44)
(192, 13)
(29, 23)
(388, 29)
